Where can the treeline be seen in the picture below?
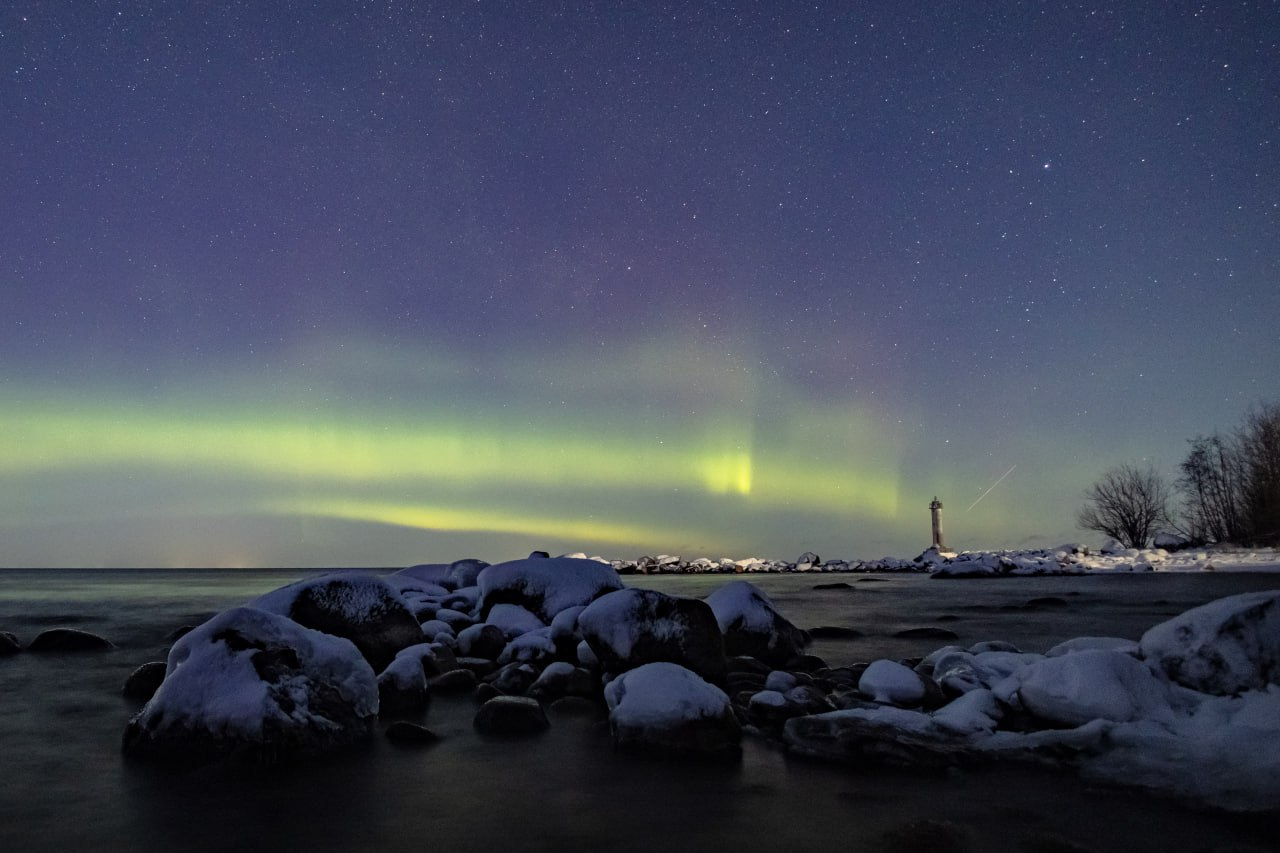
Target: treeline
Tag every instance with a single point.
(1227, 490)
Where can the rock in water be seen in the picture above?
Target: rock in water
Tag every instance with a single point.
(359, 606)
(633, 627)
(252, 683)
(753, 626)
(545, 586)
(669, 708)
(143, 682)
(410, 734)
(511, 715)
(877, 737)
(9, 644)
(68, 640)
(1222, 647)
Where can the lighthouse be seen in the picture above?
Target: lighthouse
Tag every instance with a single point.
(936, 509)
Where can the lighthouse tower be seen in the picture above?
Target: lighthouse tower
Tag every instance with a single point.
(936, 509)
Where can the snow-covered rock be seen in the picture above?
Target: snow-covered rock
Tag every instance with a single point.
(513, 620)
(872, 737)
(359, 606)
(545, 585)
(253, 682)
(753, 626)
(891, 683)
(402, 686)
(1222, 647)
(464, 573)
(632, 627)
(667, 707)
(1095, 684)
(973, 712)
(1080, 644)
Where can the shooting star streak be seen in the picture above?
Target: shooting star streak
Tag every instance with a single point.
(993, 485)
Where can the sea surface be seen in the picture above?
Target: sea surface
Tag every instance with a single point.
(65, 786)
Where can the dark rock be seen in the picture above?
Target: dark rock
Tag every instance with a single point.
(484, 692)
(808, 558)
(806, 663)
(480, 666)
(836, 585)
(563, 679)
(482, 641)
(514, 678)
(753, 626)
(453, 681)
(178, 633)
(927, 633)
(406, 733)
(511, 715)
(1046, 602)
(68, 640)
(359, 606)
(633, 627)
(143, 682)
(833, 632)
(576, 706)
(9, 644)
(947, 617)
(746, 663)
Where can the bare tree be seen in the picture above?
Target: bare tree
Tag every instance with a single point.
(1212, 482)
(1259, 441)
(1127, 504)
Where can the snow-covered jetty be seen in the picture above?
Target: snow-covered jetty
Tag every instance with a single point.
(1191, 710)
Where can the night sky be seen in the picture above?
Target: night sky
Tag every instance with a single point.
(373, 283)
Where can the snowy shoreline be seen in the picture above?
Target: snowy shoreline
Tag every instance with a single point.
(1191, 710)
(1066, 560)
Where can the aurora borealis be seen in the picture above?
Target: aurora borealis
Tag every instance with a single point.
(368, 283)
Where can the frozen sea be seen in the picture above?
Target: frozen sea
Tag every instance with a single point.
(65, 786)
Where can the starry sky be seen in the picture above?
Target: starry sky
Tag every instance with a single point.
(350, 282)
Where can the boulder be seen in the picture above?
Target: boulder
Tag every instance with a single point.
(753, 626)
(462, 573)
(1222, 647)
(402, 686)
(511, 715)
(249, 682)
(633, 627)
(892, 683)
(482, 641)
(9, 644)
(545, 585)
(668, 708)
(143, 682)
(68, 640)
(358, 606)
(1096, 684)
(875, 737)
(406, 733)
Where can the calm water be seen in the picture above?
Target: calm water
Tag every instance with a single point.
(64, 785)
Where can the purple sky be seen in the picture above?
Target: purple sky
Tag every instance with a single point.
(375, 283)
